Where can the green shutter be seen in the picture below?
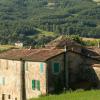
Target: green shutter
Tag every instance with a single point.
(33, 84)
(41, 68)
(56, 68)
(38, 85)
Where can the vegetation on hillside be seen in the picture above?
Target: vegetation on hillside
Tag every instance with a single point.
(20, 19)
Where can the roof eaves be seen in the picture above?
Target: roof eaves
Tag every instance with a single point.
(83, 55)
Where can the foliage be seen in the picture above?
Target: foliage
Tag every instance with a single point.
(91, 43)
(21, 18)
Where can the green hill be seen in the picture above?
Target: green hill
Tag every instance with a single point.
(97, 0)
(20, 19)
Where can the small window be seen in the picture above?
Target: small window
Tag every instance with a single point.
(3, 96)
(2, 80)
(15, 98)
(56, 68)
(35, 84)
(41, 68)
(9, 96)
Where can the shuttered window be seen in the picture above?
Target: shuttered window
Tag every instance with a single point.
(38, 85)
(56, 68)
(41, 68)
(35, 84)
(2, 80)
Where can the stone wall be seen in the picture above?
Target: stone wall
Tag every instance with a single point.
(33, 73)
(10, 79)
(83, 72)
(55, 81)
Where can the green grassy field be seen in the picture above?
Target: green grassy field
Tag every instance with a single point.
(82, 95)
(5, 47)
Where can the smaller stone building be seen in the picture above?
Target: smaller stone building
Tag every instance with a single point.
(19, 44)
(82, 63)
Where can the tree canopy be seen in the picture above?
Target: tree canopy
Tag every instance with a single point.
(20, 18)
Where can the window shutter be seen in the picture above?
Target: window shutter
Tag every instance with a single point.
(38, 85)
(56, 68)
(2, 80)
(41, 68)
(33, 84)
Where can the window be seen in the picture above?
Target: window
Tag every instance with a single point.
(2, 81)
(41, 68)
(56, 68)
(15, 98)
(38, 85)
(9, 96)
(3, 96)
(35, 84)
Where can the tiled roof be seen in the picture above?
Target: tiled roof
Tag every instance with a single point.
(33, 54)
(94, 49)
(89, 53)
(61, 41)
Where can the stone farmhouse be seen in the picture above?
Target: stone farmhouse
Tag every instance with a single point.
(62, 64)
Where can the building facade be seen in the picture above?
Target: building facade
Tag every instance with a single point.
(28, 73)
(23, 76)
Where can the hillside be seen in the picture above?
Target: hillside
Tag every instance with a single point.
(20, 19)
(97, 0)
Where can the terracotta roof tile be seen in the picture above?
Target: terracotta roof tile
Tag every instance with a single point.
(61, 41)
(33, 54)
(45, 54)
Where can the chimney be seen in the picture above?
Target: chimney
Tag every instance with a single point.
(65, 48)
(30, 48)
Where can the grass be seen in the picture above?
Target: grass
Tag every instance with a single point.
(91, 41)
(82, 95)
(47, 33)
(42, 33)
(6, 47)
